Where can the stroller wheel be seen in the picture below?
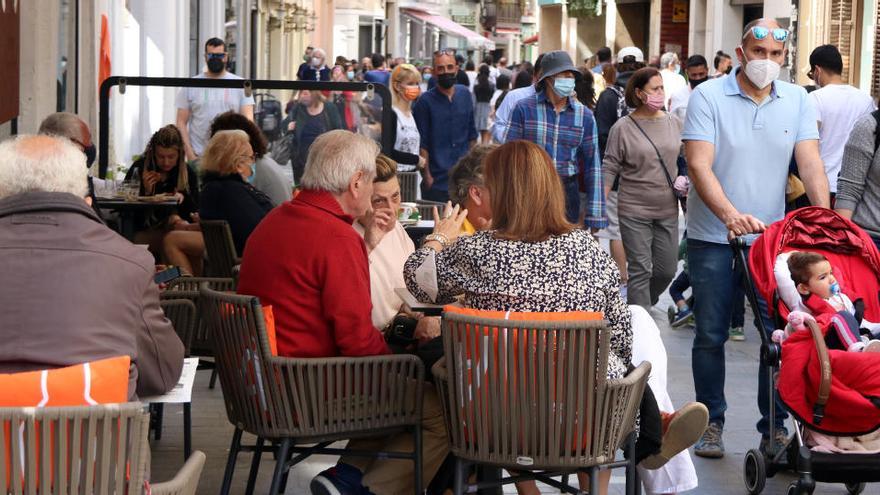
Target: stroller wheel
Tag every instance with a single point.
(795, 489)
(754, 472)
(854, 488)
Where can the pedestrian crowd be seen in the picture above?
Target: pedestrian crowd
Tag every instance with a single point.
(531, 165)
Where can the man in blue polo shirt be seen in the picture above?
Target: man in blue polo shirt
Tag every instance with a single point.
(444, 116)
(740, 135)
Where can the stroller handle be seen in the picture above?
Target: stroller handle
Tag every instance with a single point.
(825, 369)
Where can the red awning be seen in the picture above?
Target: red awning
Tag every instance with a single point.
(507, 30)
(449, 26)
(530, 40)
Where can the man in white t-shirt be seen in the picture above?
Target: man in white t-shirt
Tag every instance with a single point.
(670, 71)
(838, 106)
(697, 69)
(197, 107)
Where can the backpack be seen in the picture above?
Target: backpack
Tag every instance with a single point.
(876, 115)
(622, 108)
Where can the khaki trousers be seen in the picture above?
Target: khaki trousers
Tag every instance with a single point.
(395, 476)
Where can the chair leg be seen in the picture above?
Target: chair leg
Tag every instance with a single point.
(187, 430)
(255, 466)
(458, 483)
(286, 475)
(632, 474)
(280, 465)
(564, 481)
(213, 379)
(594, 480)
(230, 462)
(417, 459)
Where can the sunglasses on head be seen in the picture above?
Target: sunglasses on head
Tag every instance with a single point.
(761, 32)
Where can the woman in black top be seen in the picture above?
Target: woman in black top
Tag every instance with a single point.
(227, 166)
(483, 91)
(163, 170)
(310, 118)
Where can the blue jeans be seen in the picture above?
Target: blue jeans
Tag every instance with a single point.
(714, 283)
(572, 198)
(737, 318)
(678, 286)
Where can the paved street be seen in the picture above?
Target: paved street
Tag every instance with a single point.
(212, 433)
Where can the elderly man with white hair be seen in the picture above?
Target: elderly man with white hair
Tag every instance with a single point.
(81, 292)
(670, 71)
(307, 262)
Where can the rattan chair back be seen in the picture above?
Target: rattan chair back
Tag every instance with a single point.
(182, 314)
(219, 248)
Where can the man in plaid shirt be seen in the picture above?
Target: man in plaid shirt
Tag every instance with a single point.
(554, 119)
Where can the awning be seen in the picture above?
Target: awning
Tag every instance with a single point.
(474, 40)
(530, 40)
(507, 31)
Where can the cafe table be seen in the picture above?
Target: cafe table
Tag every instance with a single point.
(129, 208)
(418, 230)
(426, 308)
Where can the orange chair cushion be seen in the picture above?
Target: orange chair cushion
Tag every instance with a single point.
(269, 318)
(99, 382)
(510, 315)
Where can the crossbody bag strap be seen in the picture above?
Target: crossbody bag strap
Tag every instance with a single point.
(659, 156)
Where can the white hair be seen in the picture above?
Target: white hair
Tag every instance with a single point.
(42, 163)
(320, 53)
(335, 157)
(667, 59)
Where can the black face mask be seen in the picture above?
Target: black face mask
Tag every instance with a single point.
(446, 81)
(729, 69)
(697, 82)
(90, 153)
(215, 65)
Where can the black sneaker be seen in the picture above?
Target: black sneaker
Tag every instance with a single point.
(341, 479)
(710, 444)
(780, 440)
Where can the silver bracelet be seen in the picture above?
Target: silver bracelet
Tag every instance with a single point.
(438, 237)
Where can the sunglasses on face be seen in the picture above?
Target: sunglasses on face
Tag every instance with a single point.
(761, 32)
(216, 56)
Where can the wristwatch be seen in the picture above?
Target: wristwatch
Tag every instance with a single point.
(438, 237)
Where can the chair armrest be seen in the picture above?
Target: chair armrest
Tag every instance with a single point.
(186, 481)
(440, 371)
(623, 397)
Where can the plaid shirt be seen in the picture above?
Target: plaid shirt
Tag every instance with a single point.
(571, 140)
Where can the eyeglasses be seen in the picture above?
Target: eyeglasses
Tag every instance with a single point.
(761, 32)
(444, 51)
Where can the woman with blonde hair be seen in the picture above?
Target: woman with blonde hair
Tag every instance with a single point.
(227, 168)
(405, 89)
(534, 260)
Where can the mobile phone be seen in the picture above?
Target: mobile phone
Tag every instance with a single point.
(167, 275)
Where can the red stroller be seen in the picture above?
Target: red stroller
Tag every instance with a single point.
(828, 391)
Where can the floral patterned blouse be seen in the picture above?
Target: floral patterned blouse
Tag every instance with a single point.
(569, 272)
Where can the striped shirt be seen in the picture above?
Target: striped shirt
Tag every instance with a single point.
(571, 140)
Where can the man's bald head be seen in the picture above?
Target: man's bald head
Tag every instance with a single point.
(67, 125)
(768, 23)
(42, 163)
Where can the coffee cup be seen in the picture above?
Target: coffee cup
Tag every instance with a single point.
(408, 211)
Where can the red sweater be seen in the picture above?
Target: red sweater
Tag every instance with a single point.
(307, 262)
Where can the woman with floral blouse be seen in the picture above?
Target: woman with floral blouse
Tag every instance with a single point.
(533, 260)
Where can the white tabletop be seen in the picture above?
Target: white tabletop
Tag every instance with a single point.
(182, 392)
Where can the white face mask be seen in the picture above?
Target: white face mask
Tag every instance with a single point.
(761, 72)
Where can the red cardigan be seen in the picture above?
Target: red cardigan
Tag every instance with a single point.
(307, 262)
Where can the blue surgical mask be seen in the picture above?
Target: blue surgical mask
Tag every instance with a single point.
(427, 77)
(563, 87)
(253, 175)
(835, 289)
(350, 75)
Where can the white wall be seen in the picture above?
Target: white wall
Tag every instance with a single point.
(345, 35)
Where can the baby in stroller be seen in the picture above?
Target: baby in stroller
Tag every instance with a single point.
(807, 285)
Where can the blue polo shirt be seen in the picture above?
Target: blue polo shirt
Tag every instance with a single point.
(753, 143)
(446, 128)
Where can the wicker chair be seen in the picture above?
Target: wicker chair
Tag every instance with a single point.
(533, 397)
(219, 248)
(409, 185)
(295, 401)
(426, 209)
(182, 313)
(188, 288)
(87, 449)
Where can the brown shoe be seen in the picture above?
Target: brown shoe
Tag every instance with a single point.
(681, 429)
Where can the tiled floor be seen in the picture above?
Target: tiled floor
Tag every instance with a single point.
(212, 433)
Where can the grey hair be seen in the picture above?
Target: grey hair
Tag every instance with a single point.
(667, 58)
(63, 124)
(319, 52)
(42, 163)
(468, 172)
(335, 157)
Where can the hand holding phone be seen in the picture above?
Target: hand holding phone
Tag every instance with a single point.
(167, 275)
